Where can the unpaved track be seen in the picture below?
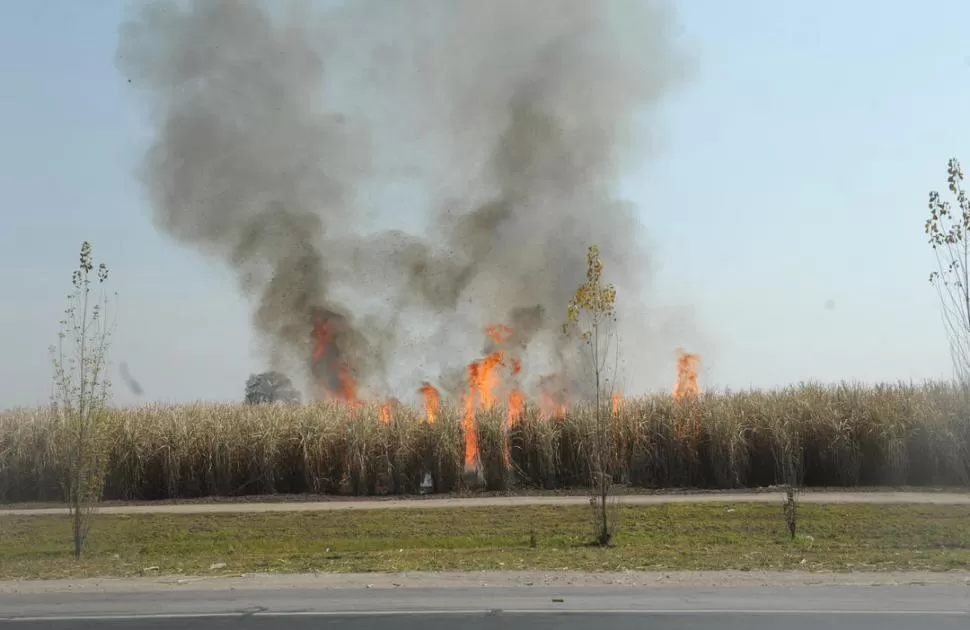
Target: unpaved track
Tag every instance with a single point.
(825, 497)
(483, 579)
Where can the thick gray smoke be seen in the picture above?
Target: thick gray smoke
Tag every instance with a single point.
(285, 135)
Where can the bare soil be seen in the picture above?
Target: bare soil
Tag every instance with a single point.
(524, 579)
(306, 503)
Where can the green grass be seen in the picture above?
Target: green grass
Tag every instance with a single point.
(667, 537)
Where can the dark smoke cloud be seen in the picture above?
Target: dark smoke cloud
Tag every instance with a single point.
(133, 385)
(514, 119)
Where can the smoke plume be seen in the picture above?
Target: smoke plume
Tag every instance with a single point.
(414, 170)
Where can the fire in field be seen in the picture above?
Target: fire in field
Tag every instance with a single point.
(404, 193)
(391, 199)
(491, 380)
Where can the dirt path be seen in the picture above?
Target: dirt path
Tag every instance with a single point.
(501, 579)
(878, 497)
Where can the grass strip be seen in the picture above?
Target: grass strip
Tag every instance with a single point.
(665, 537)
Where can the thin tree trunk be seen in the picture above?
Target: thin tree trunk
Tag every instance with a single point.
(78, 532)
(604, 536)
(78, 471)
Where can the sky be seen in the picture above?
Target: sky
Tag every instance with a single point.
(784, 199)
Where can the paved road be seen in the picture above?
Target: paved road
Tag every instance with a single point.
(531, 621)
(889, 497)
(930, 607)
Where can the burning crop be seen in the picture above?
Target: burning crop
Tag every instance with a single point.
(275, 157)
(432, 401)
(493, 379)
(182, 451)
(280, 141)
(333, 375)
(268, 156)
(687, 386)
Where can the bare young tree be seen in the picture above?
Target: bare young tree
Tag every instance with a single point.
(80, 393)
(787, 451)
(947, 228)
(592, 313)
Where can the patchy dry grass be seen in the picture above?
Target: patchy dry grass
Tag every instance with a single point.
(851, 435)
(667, 537)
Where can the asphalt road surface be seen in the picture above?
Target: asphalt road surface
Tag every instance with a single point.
(926, 607)
(529, 621)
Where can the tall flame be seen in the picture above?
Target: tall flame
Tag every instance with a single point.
(334, 377)
(468, 421)
(516, 405)
(483, 379)
(617, 400)
(432, 401)
(385, 413)
(348, 387)
(484, 382)
(488, 380)
(687, 386)
(516, 398)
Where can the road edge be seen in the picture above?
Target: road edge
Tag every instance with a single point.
(483, 579)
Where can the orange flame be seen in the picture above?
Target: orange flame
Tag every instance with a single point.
(488, 380)
(432, 401)
(468, 421)
(617, 403)
(345, 388)
(483, 383)
(687, 386)
(516, 405)
(483, 379)
(348, 388)
(322, 336)
(385, 413)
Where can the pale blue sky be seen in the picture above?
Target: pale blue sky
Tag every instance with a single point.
(793, 168)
